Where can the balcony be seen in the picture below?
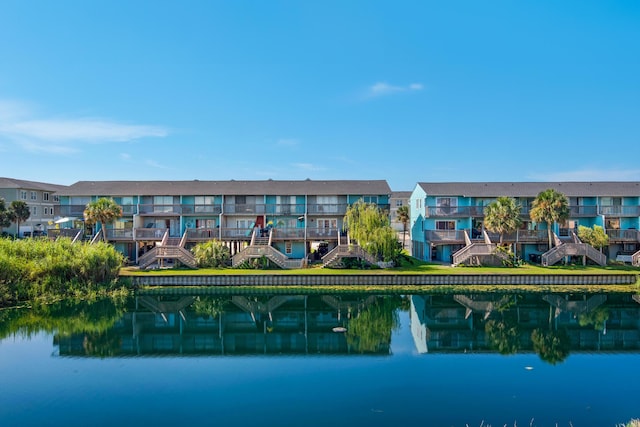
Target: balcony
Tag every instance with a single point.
(159, 210)
(285, 209)
(69, 210)
(245, 209)
(619, 211)
(327, 209)
(445, 236)
(186, 209)
(616, 235)
(119, 234)
(582, 211)
(454, 211)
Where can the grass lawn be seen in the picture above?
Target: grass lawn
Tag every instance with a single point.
(417, 267)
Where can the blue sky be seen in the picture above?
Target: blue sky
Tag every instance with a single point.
(405, 91)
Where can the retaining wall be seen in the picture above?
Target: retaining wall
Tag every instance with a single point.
(386, 280)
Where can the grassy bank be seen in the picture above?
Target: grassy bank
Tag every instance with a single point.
(44, 270)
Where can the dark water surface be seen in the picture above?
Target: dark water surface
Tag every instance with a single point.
(318, 360)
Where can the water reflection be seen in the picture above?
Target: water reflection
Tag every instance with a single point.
(550, 325)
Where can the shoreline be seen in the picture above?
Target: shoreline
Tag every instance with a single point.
(276, 280)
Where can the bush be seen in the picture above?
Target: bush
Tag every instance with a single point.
(211, 254)
(34, 268)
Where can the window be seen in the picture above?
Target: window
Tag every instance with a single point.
(287, 248)
(34, 195)
(398, 203)
(23, 194)
(445, 225)
(45, 197)
(45, 211)
(56, 198)
(34, 210)
(370, 199)
(446, 205)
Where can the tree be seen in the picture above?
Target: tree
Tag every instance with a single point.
(502, 216)
(5, 220)
(211, 254)
(550, 206)
(18, 212)
(102, 211)
(371, 228)
(595, 236)
(403, 217)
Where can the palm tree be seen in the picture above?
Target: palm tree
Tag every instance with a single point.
(550, 206)
(102, 211)
(18, 212)
(403, 217)
(502, 216)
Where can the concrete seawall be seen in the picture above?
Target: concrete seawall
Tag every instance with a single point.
(386, 280)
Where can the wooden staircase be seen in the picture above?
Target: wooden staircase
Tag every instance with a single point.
(576, 248)
(259, 247)
(475, 252)
(170, 249)
(337, 254)
(635, 259)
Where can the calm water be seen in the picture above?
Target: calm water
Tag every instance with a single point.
(319, 360)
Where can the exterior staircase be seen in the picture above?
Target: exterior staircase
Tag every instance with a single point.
(259, 247)
(337, 254)
(169, 249)
(635, 259)
(576, 248)
(475, 252)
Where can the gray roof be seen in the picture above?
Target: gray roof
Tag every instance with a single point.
(531, 189)
(215, 188)
(30, 185)
(401, 194)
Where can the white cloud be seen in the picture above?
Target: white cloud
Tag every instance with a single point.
(19, 125)
(591, 175)
(383, 88)
(125, 156)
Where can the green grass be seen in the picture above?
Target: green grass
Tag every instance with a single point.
(416, 268)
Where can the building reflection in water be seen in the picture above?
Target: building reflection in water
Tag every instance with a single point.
(246, 324)
(551, 325)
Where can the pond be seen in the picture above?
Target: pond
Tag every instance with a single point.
(167, 358)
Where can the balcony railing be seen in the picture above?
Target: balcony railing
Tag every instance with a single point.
(327, 209)
(154, 209)
(582, 211)
(119, 233)
(435, 236)
(149, 233)
(623, 235)
(617, 210)
(187, 209)
(69, 210)
(454, 211)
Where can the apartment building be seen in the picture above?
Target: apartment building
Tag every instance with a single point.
(40, 197)
(447, 218)
(297, 218)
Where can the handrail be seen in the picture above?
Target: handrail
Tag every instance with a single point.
(342, 251)
(183, 241)
(635, 259)
(95, 238)
(570, 249)
(269, 252)
(473, 249)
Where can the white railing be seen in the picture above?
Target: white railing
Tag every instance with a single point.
(268, 252)
(474, 249)
(573, 249)
(347, 251)
(635, 259)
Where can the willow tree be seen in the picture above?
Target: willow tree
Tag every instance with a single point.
(370, 227)
(550, 206)
(102, 211)
(502, 216)
(5, 219)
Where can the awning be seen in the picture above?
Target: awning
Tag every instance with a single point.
(65, 219)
